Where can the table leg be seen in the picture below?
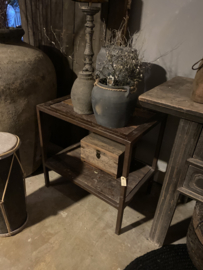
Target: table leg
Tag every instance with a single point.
(183, 148)
(126, 169)
(42, 145)
(157, 152)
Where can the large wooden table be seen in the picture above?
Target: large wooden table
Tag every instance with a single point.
(68, 162)
(185, 169)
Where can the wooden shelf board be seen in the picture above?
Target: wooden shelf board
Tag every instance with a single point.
(141, 122)
(68, 164)
(190, 194)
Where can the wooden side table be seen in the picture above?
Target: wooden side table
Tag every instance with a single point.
(68, 163)
(185, 169)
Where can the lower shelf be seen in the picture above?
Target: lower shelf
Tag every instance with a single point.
(190, 194)
(68, 164)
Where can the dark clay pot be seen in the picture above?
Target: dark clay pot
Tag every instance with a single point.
(113, 109)
(27, 78)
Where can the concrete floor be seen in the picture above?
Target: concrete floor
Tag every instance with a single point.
(69, 229)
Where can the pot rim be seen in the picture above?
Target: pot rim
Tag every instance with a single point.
(116, 88)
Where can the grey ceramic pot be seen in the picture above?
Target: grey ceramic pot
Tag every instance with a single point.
(113, 109)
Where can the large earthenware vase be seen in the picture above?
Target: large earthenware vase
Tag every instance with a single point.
(27, 78)
(113, 105)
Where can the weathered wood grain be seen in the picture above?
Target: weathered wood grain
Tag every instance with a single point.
(103, 153)
(68, 164)
(183, 148)
(67, 21)
(35, 19)
(24, 20)
(100, 183)
(79, 39)
(174, 97)
(141, 121)
(199, 149)
(29, 22)
(194, 180)
(190, 194)
(68, 30)
(101, 143)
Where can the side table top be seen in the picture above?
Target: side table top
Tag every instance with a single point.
(173, 97)
(141, 122)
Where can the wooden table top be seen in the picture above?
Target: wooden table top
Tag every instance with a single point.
(173, 97)
(141, 122)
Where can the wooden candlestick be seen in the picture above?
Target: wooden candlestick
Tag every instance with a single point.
(89, 53)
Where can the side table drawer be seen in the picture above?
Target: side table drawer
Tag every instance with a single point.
(194, 179)
(198, 154)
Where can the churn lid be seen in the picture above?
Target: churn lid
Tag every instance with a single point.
(9, 143)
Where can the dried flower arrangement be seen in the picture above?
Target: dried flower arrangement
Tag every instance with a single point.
(3, 15)
(121, 64)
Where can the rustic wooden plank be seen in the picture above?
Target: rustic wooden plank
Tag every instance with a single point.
(68, 30)
(130, 133)
(183, 148)
(46, 13)
(24, 20)
(174, 97)
(199, 149)
(103, 153)
(40, 21)
(104, 144)
(29, 20)
(35, 20)
(97, 37)
(79, 39)
(196, 162)
(95, 181)
(57, 22)
(104, 20)
(140, 121)
(194, 180)
(187, 192)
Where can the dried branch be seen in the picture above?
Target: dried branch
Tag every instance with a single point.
(121, 65)
(55, 43)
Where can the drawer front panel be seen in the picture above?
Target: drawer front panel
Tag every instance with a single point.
(100, 160)
(199, 148)
(194, 180)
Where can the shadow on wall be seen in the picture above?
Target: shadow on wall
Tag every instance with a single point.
(65, 75)
(135, 16)
(155, 76)
(62, 133)
(114, 12)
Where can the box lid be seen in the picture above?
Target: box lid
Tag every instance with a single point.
(97, 141)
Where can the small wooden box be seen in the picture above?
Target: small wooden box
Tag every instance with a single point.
(103, 153)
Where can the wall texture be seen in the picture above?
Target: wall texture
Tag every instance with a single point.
(172, 29)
